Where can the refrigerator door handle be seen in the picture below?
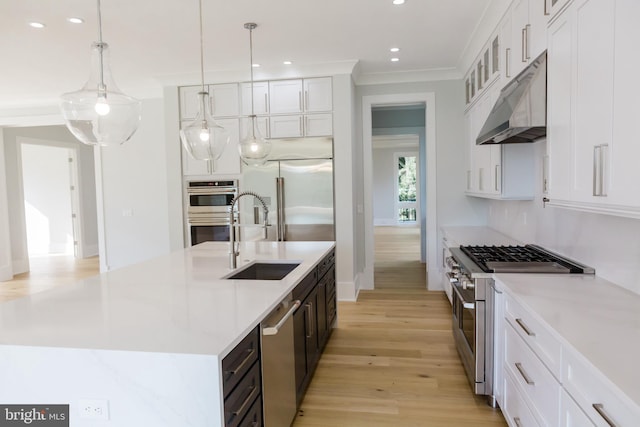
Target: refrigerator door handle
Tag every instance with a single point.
(280, 209)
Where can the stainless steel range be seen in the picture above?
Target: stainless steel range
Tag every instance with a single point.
(470, 270)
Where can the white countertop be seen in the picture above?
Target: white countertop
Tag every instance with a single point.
(597, 318)
(176, 303)
(476, 235)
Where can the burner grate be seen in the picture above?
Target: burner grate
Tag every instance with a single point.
(481, 255)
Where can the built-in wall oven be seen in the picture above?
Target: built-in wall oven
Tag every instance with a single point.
(470, 271)
(207, 206)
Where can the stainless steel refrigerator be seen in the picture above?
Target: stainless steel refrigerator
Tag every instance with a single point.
(297, 185)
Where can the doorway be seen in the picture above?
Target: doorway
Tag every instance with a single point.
(426, 220)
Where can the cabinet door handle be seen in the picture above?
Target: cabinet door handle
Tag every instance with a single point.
(242, 364)
(525, 328)
(516, 420)
(306, 100)
(527, 34)
(523, 38)
(546, 7)
(246, 401)
(599, 407)
(496, 178)
(300, 126)
(266, 103)
(507, 60)
(310, 325)
(300, 100)
(524, 374)
(603, 171)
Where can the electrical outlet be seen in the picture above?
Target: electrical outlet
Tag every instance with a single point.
(96, 409)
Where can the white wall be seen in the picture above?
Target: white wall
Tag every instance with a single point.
(6, 265)
(384, 186)
(609, 244)
(10, 169)
(135, 197)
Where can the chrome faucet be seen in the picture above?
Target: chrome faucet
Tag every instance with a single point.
(233, 249)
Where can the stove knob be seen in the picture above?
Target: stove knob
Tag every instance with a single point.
(453, 277)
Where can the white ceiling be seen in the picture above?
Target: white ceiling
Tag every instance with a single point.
(157, 42)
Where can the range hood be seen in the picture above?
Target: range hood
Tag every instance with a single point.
(520, 113)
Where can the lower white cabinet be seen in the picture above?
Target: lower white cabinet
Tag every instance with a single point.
(570, 413)
(301, 125)
(515, 409)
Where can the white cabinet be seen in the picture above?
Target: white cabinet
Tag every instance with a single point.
(528, 33)
(260, 98)
(223, 98)
(552, 7)
(318, 95)
(495, 170)
(229, 161)
(286, 126)
(285, 96)
(570, 413)
(318, 124)
(591, 108)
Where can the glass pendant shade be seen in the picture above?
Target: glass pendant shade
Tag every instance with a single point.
(203, 138)
(254, 149)
(99, 113)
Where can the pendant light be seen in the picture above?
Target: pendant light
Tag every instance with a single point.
(254, 149)
(204, 139)
(99, 113)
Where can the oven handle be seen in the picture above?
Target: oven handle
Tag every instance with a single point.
(471, 305)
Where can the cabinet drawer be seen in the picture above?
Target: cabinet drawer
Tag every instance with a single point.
(306, 285)
(239, 361)
(515, 410)
(595, 395)
(570, 413)
(534, 379)
(239, 403)
(537, 336)
(326, 263)
(254, 416)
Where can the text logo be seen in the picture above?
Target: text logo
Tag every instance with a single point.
(34, 415)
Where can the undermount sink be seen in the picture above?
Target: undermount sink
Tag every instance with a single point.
(264, 271)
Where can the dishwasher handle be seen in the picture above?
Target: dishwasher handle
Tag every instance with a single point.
(273, 330)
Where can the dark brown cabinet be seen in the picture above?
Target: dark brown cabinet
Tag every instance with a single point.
(242, 383)
(313, 321)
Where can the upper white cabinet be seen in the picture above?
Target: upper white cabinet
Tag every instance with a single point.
(318, 95)
(528, 33)
(223, 98)
(285, 96)
(260, 98)
(592, 108)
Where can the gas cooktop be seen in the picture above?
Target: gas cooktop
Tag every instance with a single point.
(522, 259)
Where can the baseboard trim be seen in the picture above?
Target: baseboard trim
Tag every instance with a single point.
(347, 291)
(6, 273)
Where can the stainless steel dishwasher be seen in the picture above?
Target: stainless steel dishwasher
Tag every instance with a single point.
(278, 365)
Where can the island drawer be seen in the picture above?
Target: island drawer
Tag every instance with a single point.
(239, 360)
(326, 263)
(241, 400)
(305, 286)
(254, 416)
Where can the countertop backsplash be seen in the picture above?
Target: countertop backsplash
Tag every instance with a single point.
(608, 243)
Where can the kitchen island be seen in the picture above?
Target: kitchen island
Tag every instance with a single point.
(148, 339)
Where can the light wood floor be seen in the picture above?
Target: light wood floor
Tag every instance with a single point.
(392, 361)
(397, 258)
(48, 272)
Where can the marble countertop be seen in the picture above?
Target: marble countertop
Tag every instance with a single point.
(597, 318)
(176, 303)
(476, 235)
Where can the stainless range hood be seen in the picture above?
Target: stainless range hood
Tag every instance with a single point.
(520, 113)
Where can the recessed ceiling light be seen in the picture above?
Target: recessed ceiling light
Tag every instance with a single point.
(287, 62)
(398, 1)
(75, 20)
(395, 59)
(395, 49)
(255, 65)
(37, 24)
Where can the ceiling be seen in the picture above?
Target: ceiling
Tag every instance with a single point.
(156, 43)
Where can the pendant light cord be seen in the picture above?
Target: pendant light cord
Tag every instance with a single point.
(251, 65)
(101, 87)
(201, 51)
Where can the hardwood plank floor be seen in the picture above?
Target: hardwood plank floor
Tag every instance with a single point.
(392, 361)
(397, 258)
(48, 272)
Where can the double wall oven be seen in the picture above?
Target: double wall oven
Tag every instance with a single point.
(470, 270)
(207, 206)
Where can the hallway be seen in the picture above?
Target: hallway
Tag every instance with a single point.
(397, 259)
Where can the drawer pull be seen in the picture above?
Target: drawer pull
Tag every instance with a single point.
(242, 364)
(525, 328)
(599, 407)
(516, 420)
(246, 401)
(524, 374)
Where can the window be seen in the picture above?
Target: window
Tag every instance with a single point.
(407, 188)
